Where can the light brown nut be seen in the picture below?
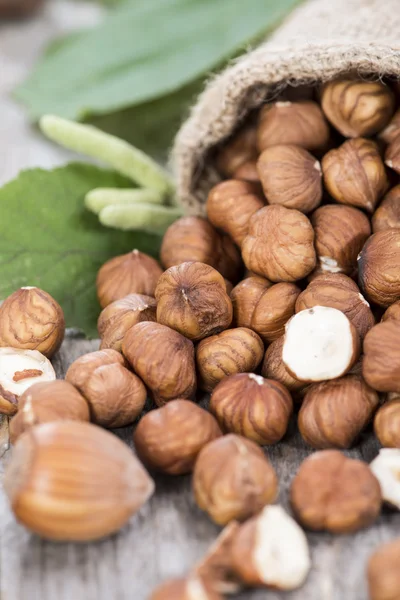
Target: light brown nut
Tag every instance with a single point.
(279, 244)
(191, 588)
(248, 172)
(274, 368)
(387, 424)
(228, 259)
(357, 108)
(387, 215)
(378, 267)
(163, 359)
(392, 130)
(233, 479)
(383, 572)
(233, 351)
(335, 493)
(273, 310)
(245, 296)
(386, 468)
(240, 148)
(30, 319)
(249, 405)
(392, 313)
(169, 439)
(392, 155)
(291, 177)
(334, 413)
(355, 174)
(190, 238)
(340, 234)
(381, 363)
(72, 481)
(132, 273)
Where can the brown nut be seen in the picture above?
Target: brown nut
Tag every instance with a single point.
(334, 413)
(392, 130)
(30, 319)
(274, 368)
(238, 150)
(163, 359)
(378, 267)
(272, 231)
(387, 424)
(228, 260)
(357, 108)
(72, 481)
(273, 310)
(170, 438)
(383, 572)
(245, 296)
(190, 238)
(335, 493)
(340, 234)
(192, 299)
(114, 394)
(248, 172)
(233, 479)
(392, 313)
(387, 215)
(355, 174)
(233, 351)
(291, 177)
(381, 363)
(249, 405)
(191, 588)
(392, 155)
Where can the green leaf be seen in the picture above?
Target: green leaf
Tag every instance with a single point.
(143, 50)
(48, 238)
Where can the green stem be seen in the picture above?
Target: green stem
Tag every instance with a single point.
(99, 198)
(149, 217)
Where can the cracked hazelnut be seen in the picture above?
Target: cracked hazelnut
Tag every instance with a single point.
(169, 439)
(386, 468)
(274, 368)
(387, 215)
(392, 155)
(387, 424)
(248, 172)
(335, 493)
(392, 313)
(192, 299)
(383, 572)
(378, 267)
(240, 148)
(256, 408)
(279, 244)
(245, 296)
(273, 310)
(192, 588)
(381, 363)
(355, 174)
(163, 359)
(233, 479)
(233, 351)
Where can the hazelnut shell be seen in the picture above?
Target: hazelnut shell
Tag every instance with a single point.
(273, 310)
(387, 215)
(387, 424)
(245, 296)
(381, 362)
(378, 267)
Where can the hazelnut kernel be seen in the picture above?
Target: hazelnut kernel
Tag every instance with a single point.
(273, 310)
(378, 267)
(192, 588)
(386, 467)
(245, 296)
(381, 362)
(387, 215)
(387, 424)
(383, 572)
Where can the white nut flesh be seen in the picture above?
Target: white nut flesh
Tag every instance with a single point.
(386, 468)
(19, 369)
(319, 344)
(195, 590)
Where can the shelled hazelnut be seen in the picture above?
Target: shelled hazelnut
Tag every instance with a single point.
(383, 572)
(387, 215)
(273, 310)
(273, 367)
(378, 266)
(386, 468)
(387, 424)
(381, 362)
(241, 148)
(192, 588)
(245, 296)
(392, 313)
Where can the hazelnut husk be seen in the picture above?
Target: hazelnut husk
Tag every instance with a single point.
(392, 155)
(163, 359)
(378, 267)
(245, 296)
(387, 215)
(170, 438)
(232, 351)
(273, 310)
(383, 572)
(192, 299)
(387, 424)
(381, 362)
(191, 588)
(256, 408)
(334, 493)
(392, 313)
(233, 479)
(132, 273)
(273, 367)
(73, 481)
(239, 149)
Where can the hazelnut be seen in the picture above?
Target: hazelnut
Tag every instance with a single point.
(320, 343)
(392, 155)
(273, 310)
(230, 205)
(387, 215)
(233, 479)
(114, 394)
(381, 363)
(170, 438)
(72, 481)
(335, 493)
(334, 413)
(383, 572)
(192, 299)
(392, 313)
(299, 123)
(240, 148)
(249, 405)
(163, 359)
(132, 273)
(387, 424)
(192, 588)
(355, 174)
(340, 234)
(392, 130)
(30, 319)
(233, 351)
(291, 176)
(386, 468)
(19, 370)
(378, 267)
(190, 238)
(248, 172)
(228, 260)
(357, 108)
(245, 296)
(271, 550)
(279, 244)
(274, 368)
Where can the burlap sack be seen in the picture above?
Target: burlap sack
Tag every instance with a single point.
(321, 40)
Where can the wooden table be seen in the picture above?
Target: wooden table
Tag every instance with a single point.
(169, 534)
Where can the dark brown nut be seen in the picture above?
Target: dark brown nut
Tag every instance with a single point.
(30, 319)
(245, 296)
(299, 123)
(163, 359)
(47, 402)
(233, 351)
(274, 230)
(383, 572)
(392, 155)
(334, 413)
(340, 234)
(355, 174)
(230, 205)
(132, 273)
(335, 493)
(387, 215)
(228, 259)
(192, 588)
(114, 394)
(392, 313)
(18, 8)
(248, 172)
(190, 238)
(341, 292)
(169, 439)
(274, 368)
(233, 479)
(238, 150)
(291, 177)
(249, 405)
(378, 267)
(357, 108)
(273, 310)
(392, 130)
(381, 363)
(192, 299)
(387, 424)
